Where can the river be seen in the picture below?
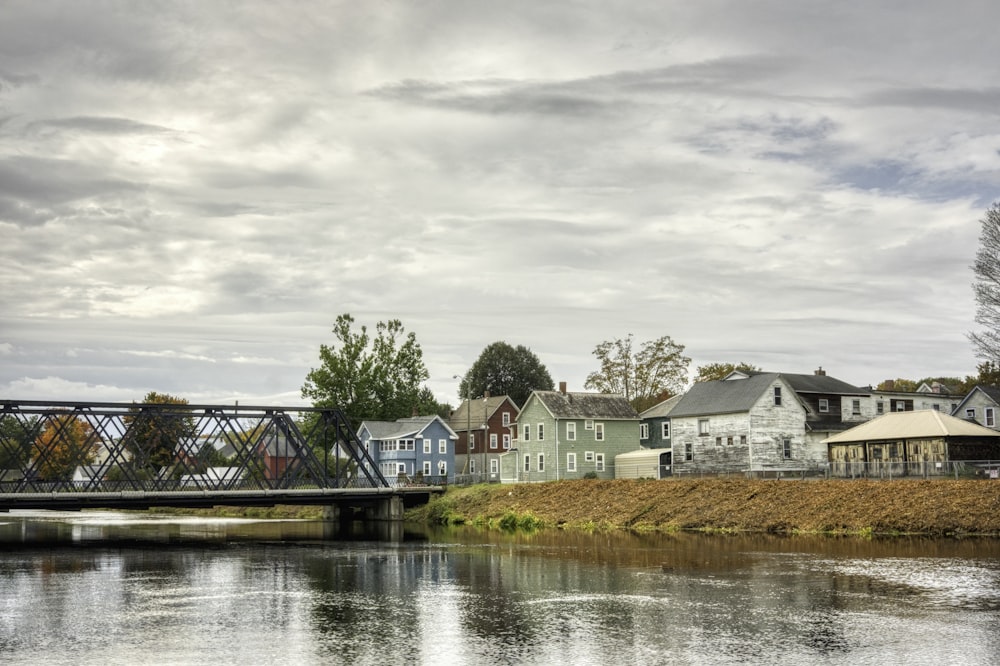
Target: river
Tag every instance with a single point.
(114, 588)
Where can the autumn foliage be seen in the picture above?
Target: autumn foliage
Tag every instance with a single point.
(66, 442)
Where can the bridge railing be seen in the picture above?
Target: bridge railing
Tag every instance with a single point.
(72, 447)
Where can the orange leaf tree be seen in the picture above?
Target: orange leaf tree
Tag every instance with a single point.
(66, 442)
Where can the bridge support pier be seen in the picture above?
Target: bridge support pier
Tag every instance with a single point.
(387, 508)
(331, 513)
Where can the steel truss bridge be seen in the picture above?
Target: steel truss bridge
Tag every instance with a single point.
(78, 455)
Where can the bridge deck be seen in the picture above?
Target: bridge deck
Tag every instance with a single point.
(137, 499)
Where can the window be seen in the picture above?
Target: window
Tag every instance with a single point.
(472, 441)
(988, 418)
(493, 440)
(472, 465)
(527, 463)
(702, 426)
(936, 407)
(442, 468)
(588, 425)
(442, 446)
(541, 462)
(505, 418)
(643, 431)
(824, 405)
(718, 441)
(401, 468)
(541, 431)
(527, 433)
(786, 449)
(777, 396)
(880, 407)
(665, 430)
(900, 406)
(427, 449)
(506, 441)
(570, 462)
(599, 432)
(729, 440)
(600, 462)
(743, 440)
(970, 413)
(427, 468)
(688, 452)
(494, 466)
(571, 431)
(856, 407)
(588, 456)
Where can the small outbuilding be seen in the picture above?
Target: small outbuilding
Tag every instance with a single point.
(643, 464)
(913, 443)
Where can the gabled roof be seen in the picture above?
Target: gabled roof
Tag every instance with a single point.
(661, 410)
(402, 428)
(821, 384)
(991, 392)
(482, 410)
(585, 405)
(910, 425)
(724, 396)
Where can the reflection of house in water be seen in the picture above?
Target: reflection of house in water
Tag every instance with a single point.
(917, 442)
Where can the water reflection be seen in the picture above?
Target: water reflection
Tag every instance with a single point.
(89, 588)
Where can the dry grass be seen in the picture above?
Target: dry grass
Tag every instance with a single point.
(938, 507)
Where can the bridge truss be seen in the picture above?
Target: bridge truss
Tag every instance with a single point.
(144, 449)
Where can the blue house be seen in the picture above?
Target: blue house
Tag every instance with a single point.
(411, 449)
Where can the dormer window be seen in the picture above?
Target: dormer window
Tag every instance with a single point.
(777, 396)
(824, 405)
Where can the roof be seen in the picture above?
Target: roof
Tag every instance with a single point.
(640, 456)
(400, 428)
(723, 396)
(821, 384)
(482, 410)
(586, 405)
(662, 409)
(912, 425)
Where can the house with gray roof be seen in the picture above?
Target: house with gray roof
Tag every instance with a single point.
(567, 435)
(981, 405)
(411, 449)
(745, 422)
(654, 424)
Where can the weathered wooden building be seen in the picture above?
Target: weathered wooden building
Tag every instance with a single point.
(910, 443)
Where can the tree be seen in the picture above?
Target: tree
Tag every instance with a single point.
(654, 373)
(898, 384)
(376, 378)
(505, 370)
(154, 437)
(16, 439)
(987, 287)
(714, 371)
(66, 442)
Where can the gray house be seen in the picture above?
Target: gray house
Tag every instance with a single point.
(654, 424)
(742, 423)
(981, 405)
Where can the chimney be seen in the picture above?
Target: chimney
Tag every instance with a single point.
(486, 395)
(821, 372)
(889, 384)
(562, 387)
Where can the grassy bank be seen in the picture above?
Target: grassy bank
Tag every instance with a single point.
(938, 507)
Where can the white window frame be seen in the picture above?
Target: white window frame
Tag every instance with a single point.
(598, 432)
(570, 431)
(989, 419)
(527, 462)
(442, 446)
(786, 448)
(442, 468)
(704, 427)
(599, 462)
(665, 430)
(880, 407)
(855, 407)
(588, 424)
(824, 405)
(643, 431)
(777, 396)
(588, 456)
(506, 441)
(427, 468)
(494, 465)
(526, 433)
(471, 439)
(505, 419)
(570, 462)
(541, 462)
(493, 440)
(472, 465)
(970, 413)
(427, 445)
(401, 468)
(541, 432)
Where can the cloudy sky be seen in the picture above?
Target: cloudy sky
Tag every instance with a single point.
(190, 193)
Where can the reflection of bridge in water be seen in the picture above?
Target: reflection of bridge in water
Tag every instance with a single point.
(77, 455)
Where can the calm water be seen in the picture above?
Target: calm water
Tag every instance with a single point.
(106, 588)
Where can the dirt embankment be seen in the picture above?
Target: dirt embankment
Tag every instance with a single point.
(939, 507)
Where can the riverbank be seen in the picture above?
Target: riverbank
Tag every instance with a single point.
(929, 507)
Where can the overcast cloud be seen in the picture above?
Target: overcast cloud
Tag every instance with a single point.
(190, 193)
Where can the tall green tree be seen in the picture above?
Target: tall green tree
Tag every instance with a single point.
(503, 369)
(16, 439)
(154, 437)
(715, 371)
(655, 372)
(986, 287)
(368, 377)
